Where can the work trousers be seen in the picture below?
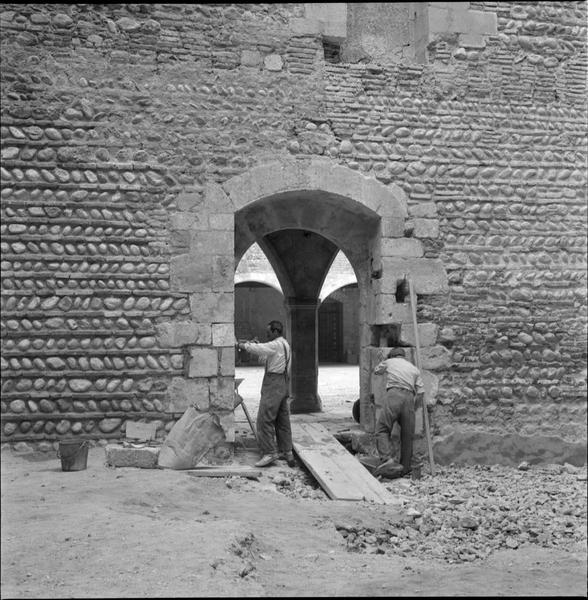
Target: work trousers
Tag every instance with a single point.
(273, 416)
(398, 405)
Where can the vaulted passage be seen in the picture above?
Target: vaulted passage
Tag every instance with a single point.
(301, 234)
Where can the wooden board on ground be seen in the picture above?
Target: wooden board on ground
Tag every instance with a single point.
(233, 471)
(340, 474)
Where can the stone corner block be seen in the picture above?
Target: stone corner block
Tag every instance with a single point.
(223, 394)
(142, 458)
(174, 334)
(210, 307)
(203, 362)
(182, 393)
(190, 273)
(223, 334)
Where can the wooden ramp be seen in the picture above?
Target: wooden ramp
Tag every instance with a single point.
(341, 475)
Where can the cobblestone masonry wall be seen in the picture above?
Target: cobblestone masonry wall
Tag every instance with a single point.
(110, 112)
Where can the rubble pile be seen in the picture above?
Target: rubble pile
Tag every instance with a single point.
(465, 513)
(298, 483)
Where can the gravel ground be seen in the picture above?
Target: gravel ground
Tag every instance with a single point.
(465, 513)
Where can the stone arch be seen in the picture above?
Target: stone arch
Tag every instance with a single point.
(337, 208)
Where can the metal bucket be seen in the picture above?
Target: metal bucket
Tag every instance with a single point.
(73, 454)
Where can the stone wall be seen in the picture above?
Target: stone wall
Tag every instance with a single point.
(118, 120)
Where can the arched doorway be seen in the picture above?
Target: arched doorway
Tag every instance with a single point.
(302, 213)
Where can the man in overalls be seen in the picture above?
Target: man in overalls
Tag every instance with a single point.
(404, 390)
(273, 416)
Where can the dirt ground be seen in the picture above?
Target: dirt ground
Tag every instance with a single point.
(125, 532)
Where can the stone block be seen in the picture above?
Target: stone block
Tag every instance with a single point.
(227, 361)
(223, 334)
(216, 200)
(458, 17)
(427, 334)
(223, 273)
(141, 458)
(273, 62)
(386, 310)
(182, 393)
(174, 334)
(222, 222)
(190, 273)
(204, 243)
(472, 40)
(188, 200)
(182, 220)
(210, 307)
(428, 275)
(435, 357)
(250, 58)
(223, 395)
(392, 227)
(438, 19)
(305, 26)
(330, 16)
(203, 362)
(426, 228)
(408, 247)
(427, 210)
(482, 22)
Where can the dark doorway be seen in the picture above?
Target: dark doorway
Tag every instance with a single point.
(330, 331)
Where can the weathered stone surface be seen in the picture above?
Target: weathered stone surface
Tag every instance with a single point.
(427, 334)
(428, 275)
(405, 247)
(190, 273)
(223, 334)
(435, 357)
(175, 334)
(203, 362)
(183, 392)
(210, 307)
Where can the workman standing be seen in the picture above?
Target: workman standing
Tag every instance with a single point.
(404, 392)
(273, 416)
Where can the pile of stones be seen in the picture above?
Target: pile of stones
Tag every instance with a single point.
(465, 513)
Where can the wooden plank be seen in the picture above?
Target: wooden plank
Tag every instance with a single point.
(341, 475)
(234, 471)
(372, 488)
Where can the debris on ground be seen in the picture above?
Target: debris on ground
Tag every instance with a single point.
(465, 513)
(298, 483)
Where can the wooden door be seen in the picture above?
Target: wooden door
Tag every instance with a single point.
(330, 327)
